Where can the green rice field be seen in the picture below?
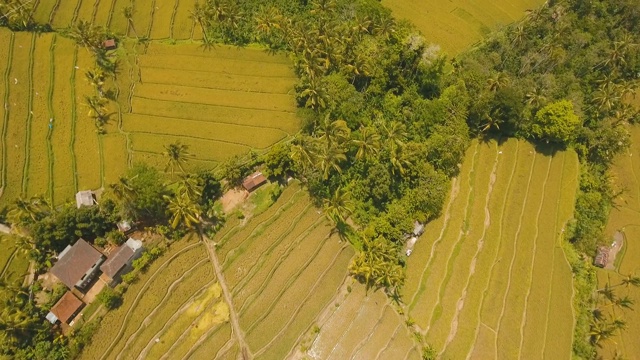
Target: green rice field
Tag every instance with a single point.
(455, 25)
(220, 103)
(14, 262)
(624, 217)
(489, 279)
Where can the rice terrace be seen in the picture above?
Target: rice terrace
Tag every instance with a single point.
(322, 179)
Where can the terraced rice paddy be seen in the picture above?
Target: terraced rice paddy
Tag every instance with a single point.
(178, 298)
(360, 325)
(624, 217)
(283, 267)
(455, 25)
(153, 19)
(489, 279)
(220, 103)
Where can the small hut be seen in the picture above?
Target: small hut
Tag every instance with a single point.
(254, 181)
(109, 44)
(602, 257)
(85, 198)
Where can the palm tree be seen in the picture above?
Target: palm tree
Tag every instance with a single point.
(188, 187)
(334, 132)
(184, 211)
(96, 105)
(607, 96)
(177, 155)
(631, 280)
(384, 27)
(497, 82)
(399, 158)
(26, 211)
(330, 159)
(304, 151)
(338, 207)
(96, 79)
(368, 144)
(313, 94)
(536, 97)
(396, 133)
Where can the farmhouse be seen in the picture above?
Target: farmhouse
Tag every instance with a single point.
(602, 257)
(65, 309)
(120, 261)
(77, 264)
(254, 181)
(85, 198)
(109, 44)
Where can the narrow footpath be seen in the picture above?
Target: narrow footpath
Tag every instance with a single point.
(245, 352)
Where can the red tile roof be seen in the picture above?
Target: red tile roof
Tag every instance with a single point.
(253, 181)
(66, 307)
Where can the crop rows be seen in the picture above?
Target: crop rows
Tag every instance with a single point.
(362, 324)
(282, 268)
(493, 273)
(171, 271)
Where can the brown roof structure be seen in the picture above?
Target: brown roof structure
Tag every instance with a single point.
(116, 261)
(74, 262)
(109, 44)
(602, 257)
(67, 307)
(254, 181)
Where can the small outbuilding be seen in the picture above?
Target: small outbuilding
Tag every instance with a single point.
(119, 262)
(85, 198)
(77, 264)
(602, 257)
(418, 228)
(65, 309)
(125, 226)
(254, 181)
(110, 44)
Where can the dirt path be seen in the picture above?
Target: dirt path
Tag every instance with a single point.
(245, 352)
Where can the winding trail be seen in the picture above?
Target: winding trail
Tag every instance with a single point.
(233, 315)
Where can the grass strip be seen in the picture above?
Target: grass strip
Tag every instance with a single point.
(27, 141)
(5, 120)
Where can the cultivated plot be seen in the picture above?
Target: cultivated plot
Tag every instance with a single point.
(283, 267)
(221, 103)
(454, 25)
(625, 218)
(156, 20)
(489, 278)
(165, 313)
(359, 325)
(223, 106)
